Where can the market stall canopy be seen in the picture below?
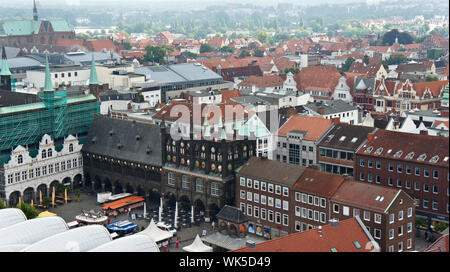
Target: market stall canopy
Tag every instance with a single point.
(197, 246)
(155, 233)
(132, 243)
(46, 214)
(122, 202)
(32, 231)
(80, 239)
(11, 216)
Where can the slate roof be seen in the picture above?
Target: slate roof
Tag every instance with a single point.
(270, 170)
(343, 134)
(232, 214)
(138, 142)
(330, 107)
(8, 98)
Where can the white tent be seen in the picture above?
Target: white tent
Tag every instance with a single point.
(80, 239)
(197, 246)
(32, 231)
(11, 216)
(155, 233)
(132, 243)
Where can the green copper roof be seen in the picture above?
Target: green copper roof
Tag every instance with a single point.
(93, 77)
(224, 134)
(207, 132)
(28, 27)
(5, 68)
(445, 96)
(48, 86)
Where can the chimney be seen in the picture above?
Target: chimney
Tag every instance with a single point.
(336, 120)
(370, 137)
(320, 231)
(334, 222)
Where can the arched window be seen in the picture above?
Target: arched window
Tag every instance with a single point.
(44, 154)
(20, 159)
(49, 152)
(71, 148)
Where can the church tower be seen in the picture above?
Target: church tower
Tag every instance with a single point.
(35, 13)
(5, 73)
(93, 80)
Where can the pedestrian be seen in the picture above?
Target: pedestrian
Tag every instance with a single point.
(213, 225)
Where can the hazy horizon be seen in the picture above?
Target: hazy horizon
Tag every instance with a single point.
(200, 3)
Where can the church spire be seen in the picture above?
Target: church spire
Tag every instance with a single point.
(93, 80)
(35, 14)
(5, 73)
(5, 67)
(48, 86)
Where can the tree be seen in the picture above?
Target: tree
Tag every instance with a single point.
(227, 49)
(2, 204)
(390, 37)
(431, 78)
(262, 37)
(29, 211)
(78, 194)
(394, 60)
(244, 53)
(258, 53)
(206, 48)
(348, 62)
(292, 70)
(156, 54)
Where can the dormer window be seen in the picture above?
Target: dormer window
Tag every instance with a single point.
(422, 157)
(435, 159)
(44, 154)
(378, 151)
(410, 155)
(20, 159)
(398, 154)
(49, 152)
(71, 148)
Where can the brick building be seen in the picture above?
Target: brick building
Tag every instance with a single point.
(301, 199)
(28, 33)
(263, 193)
(417, 164)
(387, 213)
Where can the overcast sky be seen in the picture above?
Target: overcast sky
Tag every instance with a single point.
(201, 3)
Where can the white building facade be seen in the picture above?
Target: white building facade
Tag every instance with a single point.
(26, 175)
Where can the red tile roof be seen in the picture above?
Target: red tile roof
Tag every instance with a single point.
(227, 95)
(340, 238)
(318, 183)
(440, 245)
(263, 81)
(323, 78)
(99, 45)
(366, 195)
(316, 126)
